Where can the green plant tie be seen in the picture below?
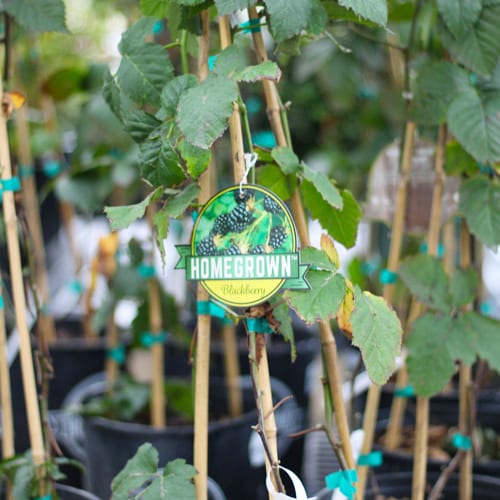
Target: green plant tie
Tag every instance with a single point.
(25, 171)
(148, 338)
(210, 308)
(211, 62)
(117, 354)
(343, 480)
(75, 286)
(1, 302)
(258, 325)
(461, 442)
(51, 168)
(372, 459)
(12, 184)
(252, 26)
(264, 139)
(485, 308)
(424, 248)
(194, 215)
(404, 392)
(157, 27)
(388, 277)
(146, 271)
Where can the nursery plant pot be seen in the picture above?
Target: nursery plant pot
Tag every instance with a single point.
(71, 493)
(235, 458)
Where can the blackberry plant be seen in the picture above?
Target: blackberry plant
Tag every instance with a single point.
(221, 225)
(239, 218)
(271, 205)
(277, 236)
(233, 250)
(258, 250)
(206, 247)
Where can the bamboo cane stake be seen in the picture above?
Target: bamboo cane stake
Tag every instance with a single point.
(327, 339)
(464, 426)
(232, 370)
(372, 402)
(112, 367)
(32, 210)
(202, 361)
(27, 369)
(8, 450)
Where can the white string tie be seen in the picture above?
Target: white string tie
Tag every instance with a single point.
(250, 161)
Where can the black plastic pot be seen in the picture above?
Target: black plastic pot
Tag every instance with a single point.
(109, 444)
(70, 493)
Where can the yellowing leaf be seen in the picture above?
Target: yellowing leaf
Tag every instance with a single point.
(328, 246)
(345, 310)
(12, 100)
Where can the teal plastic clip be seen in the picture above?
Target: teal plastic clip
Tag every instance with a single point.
(146, 271)
(148, 338)
(13, 184)
(252, 26)
(404, 392)
(25, 171)
(194, 215)
(46, 497)
(51, 168)
(212, 309)
(1, 302)
(157, 27)
(76, 287)
(461, 442)
(258, 325)
(343, 480)
(211, 62)
(372, 459)
(388, 277)
(117, 354)
(424, 249)
(485, 308)
(264, 139)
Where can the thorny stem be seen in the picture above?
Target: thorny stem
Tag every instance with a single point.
(341, 47)
(445, 475)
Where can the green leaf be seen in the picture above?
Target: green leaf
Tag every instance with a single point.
(322, 301)
(461, 340)
(457, 161)
(479, 46)
(117, 101)
(488, 333)
(139, 469)
(64, 82)
(172, 92)
(154, 8)
(140, 124)
(377, 331)
(426, 278)
(274, 179)
(197, 159)
(231, 60)
(475, 123)
(282, 315)
(373, 10)
(178, 476)
(38, 15)
(145, 67)
(480, 205)
(323, 186)
(161, 223)
(342, 225)
(225, 7)
(288, 17)
(463, 287)
(318, 19)
(178, 204)
(429, 363)
(160, 164)
(204, 111)
(317, 259)
(436, 85)
(267, 70)
(459, 15)
(122, 217)
(286, 159)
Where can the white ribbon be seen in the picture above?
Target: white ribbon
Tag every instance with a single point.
(250, 160)
(300, 491)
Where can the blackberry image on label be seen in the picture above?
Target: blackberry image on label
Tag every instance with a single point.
(221, 225)
(239, 218)
(233, 250)
(258, 250)
(277, 236)
(206, 247)
(271, 205)
(241, 196)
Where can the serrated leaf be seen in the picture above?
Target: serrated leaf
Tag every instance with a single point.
(179, 477)
(318, 19)
(154, 8)
(274, 179)
(225, 7)
(436, 85)
(322, 301)
(145, 67)
(37, 15)
(122, 217)
(286, 159)
(475, 123)
(282, 315)
(479, 46)
(172, 92)
(267, 70)
(377, 331)
(345, 310)
(161, 223)
(139, 469)
(288, 17)
(140, 124)
(178, 204)
(197, 159)
(328, 246)
(461, 340)
(324, 186)
(463, 287)
(426, 278)
(317, 259)
(373, 10)
(231, 60)
(457, 161)
(459, 15)
(480, 204)
(429, 363)
(203, 111)
(159, 163)
(342, 225)
(117, 101)
(488, 335)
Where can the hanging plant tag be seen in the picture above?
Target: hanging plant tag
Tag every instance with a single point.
(244, 247)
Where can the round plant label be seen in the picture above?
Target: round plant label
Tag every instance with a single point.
(243, 247)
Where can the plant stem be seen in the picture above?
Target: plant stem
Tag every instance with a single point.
(184, 54)
(446, 473)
